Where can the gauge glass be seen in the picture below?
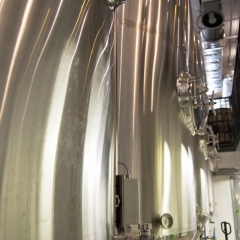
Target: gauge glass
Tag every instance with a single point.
(166, 221)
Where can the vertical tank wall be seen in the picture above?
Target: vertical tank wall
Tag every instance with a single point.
(152, 39)
(56, 120)
(210, 189)
(204, 193)
(57, 110)
(201, 171)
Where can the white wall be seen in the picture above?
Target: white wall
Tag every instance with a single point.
(238, 155)
(229, 160)
(223, 208)
(223, 195)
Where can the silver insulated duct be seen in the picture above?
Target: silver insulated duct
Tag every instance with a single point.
(213, 66)
(212, 33)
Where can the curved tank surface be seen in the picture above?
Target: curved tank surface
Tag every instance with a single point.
(204, 192)
(152, 43)
(74, 101)
(56, 120)
(210, 189)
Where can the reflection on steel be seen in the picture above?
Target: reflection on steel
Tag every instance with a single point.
(185, 100)
(210, 190)
(56, 120)
(58, 104)
(204, 192)
(152, 46)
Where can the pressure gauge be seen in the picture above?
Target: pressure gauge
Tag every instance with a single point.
(166, 220)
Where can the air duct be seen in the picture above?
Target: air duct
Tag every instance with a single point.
(213, 66)
(212, 20)
(212, 34)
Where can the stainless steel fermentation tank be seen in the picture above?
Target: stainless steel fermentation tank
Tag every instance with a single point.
(155, 42)
(61, 104)
(57, 99)
(204, 194)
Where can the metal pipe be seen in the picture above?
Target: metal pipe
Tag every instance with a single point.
(231, 37)
(227, 171)
(230, 34)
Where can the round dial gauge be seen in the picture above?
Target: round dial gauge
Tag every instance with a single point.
(166, 220)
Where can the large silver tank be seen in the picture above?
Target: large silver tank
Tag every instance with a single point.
(204, 192)
(152, 139)
(201, 166)
(202, 197)
(209, 174)
(56, 120)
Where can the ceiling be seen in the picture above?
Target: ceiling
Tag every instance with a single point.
(228, 75)
(231, 11)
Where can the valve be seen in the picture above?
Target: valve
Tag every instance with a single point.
(115, 3)
(145, 229)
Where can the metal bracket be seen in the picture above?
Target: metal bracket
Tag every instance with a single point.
(209, 144)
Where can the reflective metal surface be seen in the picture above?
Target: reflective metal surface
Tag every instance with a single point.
(200, 166)
(152, 139)
(186, 101)
(193, 102)
(204, 191)
(56, 120)
(115, 3)
(210, 189)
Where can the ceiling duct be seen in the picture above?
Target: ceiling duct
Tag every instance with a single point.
(212, 20)
(212, 35)
(213, 66)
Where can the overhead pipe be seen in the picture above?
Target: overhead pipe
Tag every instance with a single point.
(230, 34)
